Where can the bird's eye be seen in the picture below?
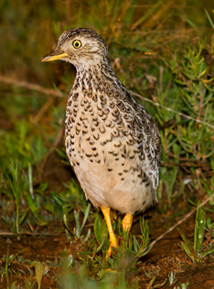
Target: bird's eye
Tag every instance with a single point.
(77, 44)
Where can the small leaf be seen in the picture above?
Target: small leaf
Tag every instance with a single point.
(100, 228)
(43, 187)
(65, 220)
(39, 268)
(202, 73)
(49, 207)
(35, 210)
(23, 216)
(28, 284)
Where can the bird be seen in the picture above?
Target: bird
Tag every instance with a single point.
(111, 141)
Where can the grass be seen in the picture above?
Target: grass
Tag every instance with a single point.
(165, 54)
(198, 251)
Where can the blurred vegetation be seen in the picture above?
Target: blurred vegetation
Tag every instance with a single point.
(161, 50)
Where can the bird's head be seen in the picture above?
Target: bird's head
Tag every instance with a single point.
(79, 46)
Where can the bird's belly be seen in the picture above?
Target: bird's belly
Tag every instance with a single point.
(107, 174)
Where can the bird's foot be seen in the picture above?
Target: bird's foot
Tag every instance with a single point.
(112, 237)
(127, 222)
(112, 245)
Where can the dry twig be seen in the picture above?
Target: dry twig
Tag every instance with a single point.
(30, 86)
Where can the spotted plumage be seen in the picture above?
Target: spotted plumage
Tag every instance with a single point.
(111, 140)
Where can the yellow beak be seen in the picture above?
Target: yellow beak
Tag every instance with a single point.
(55, 55)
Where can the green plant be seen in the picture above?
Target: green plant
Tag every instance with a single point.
(197, 252)
(16, 184)
(171, 277)
(8, 261)
(182, 286)
(209, 18)
(75, 276)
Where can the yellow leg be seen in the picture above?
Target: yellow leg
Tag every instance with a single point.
(113, 239)
(127, 222)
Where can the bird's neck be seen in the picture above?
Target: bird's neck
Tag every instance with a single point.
(89, 63)
(99, 75)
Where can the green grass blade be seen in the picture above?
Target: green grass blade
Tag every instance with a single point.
(87, 211)
(97, 228)
(77, 222)
(208, 252)
(209, 18)
(148, 14)
(187, 247)
(130, 12)
(30, 179)
(188, 251)
(101, 245)
(200, 225)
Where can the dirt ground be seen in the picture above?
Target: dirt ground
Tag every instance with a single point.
(166, 255)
